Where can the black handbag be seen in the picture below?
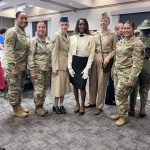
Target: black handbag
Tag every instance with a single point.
(110, 63)
(109, 66)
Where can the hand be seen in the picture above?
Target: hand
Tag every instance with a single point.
(15, 74)
(71, 72)
(55, 72)
(106, 61)
(33, 75)
(85, 74)
(130, 83)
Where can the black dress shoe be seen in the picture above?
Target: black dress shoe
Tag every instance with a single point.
(63, 110)
(81, 113)
(56, 110)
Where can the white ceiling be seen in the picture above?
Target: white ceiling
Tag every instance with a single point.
(8, 8)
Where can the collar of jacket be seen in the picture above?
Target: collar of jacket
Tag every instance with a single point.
(64, 37)
(75, 39)
(20, 31)
(104, 33)
(44, 40)
(119, 37)
(129, 39)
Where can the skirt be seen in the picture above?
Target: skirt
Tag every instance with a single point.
(78, 65)
(60, 84)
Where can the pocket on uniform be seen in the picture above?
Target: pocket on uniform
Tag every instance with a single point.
(14, 81)
(126, 90)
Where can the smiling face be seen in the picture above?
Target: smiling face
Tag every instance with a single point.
(128, 30)
(82, 26)
(104, 22)
(119, 29)
(41, 29)
(22, 20)
(64, 26)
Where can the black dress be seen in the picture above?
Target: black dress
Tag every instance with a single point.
(78, 65)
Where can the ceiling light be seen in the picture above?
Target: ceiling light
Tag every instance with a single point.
(30, 5)
(20, 8)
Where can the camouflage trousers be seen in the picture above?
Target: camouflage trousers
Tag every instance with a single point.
(142, 86)
(41, 84)
(14, 88)
(122, 91)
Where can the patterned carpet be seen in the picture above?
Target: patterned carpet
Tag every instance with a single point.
(71, 131)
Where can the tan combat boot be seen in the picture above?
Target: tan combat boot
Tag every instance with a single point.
(121, 122)
(115, 117)
(18, 112)
(40, 110)
(24, 109)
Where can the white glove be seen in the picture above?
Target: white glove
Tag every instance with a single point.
(85, 74)
(71, 72)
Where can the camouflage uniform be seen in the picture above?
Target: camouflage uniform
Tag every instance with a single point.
(16, 51)
(144, 77)
(39, 63)
(127, 66)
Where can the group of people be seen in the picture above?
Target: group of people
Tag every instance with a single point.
(64, 60)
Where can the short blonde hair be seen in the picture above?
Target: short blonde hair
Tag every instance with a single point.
(118, 26)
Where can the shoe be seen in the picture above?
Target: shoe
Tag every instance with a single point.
(82, 111)
(90, 105)
(115, 117)
(18, 112)
(24, 109)
(41, 111)
(142, 112)
(56, 110)
(121, 122)
(76, 109)
(62, 109)
(97, 111)
(131, 112)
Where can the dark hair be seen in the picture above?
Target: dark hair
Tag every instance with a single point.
(2, 31)
(146, 32)
(40, 22)
(136, 34)
(76, 31)
(18, 13)
(132, 24)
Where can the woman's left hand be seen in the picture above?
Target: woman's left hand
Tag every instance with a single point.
(106, 61)
(55, 72)
(130, 83)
